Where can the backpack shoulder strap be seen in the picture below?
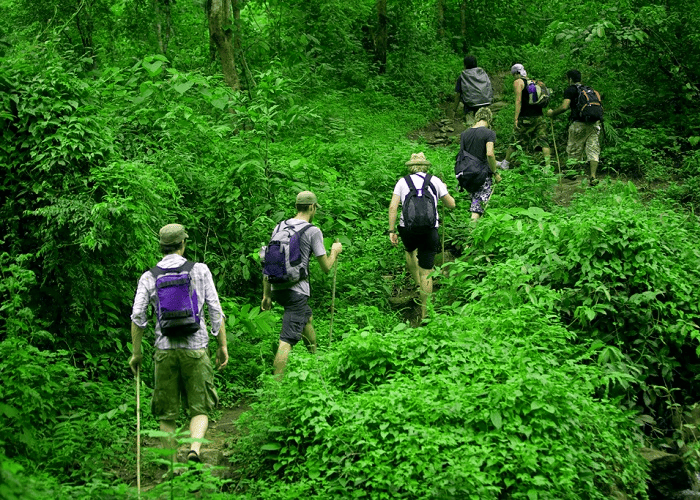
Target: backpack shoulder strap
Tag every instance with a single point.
(187, 266)
(303, 229)
(426, 182)
(409, 183)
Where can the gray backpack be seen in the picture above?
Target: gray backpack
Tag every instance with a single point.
(476, 88)
(281, 258)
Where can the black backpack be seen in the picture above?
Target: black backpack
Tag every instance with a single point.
(470, 171)
(418, 209)
(590, 109)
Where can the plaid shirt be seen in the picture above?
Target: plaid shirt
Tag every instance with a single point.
(206, 293)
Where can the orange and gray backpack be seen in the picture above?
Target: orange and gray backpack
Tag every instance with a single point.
(590, 109)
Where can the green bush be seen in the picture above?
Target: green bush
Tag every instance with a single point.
(476, 405)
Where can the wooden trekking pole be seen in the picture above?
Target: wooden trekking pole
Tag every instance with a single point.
(335, 273)
(554, 139)
(138, 430)
(444, 222)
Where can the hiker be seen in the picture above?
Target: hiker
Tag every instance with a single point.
(178, 289)
(529, 125)
(476, 157)
(586, 115)
(418, 222)
(293, 291)
(473, 88)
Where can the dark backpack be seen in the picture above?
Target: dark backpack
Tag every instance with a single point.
(177, 308)
(470, 171)
(590, 109)
(538, 93)
(281, 258)
(418, 208)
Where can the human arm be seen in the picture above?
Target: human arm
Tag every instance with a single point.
(518, 87)
(327, 262)
(222, 351)
(566, 104)
(393, 211)
(448, 201)
(136, 355)
(491, 159)
(266, 303)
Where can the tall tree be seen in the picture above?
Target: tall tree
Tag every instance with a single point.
(382, 36)
(164, 24)
(463, 20)
(221, 32)
(440, 4)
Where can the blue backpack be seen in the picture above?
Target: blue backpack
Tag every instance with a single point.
(281, 258)
(177, 308)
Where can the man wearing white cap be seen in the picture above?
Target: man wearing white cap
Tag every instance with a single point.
(294, 296)
(178, 289)
(529, 125)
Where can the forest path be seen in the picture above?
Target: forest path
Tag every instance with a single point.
(214, 452)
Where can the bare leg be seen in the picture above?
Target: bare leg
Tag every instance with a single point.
(594, 168)
(412, 265)
(547, 153)
(308, 335)
(198, 428)
(281, 358)
(169, 442)
(426, 289)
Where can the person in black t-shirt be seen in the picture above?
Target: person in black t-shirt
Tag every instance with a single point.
(479, 141)
(583, 137)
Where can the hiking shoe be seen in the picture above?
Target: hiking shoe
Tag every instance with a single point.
(192, 456)
(503, 165)
(593, 181)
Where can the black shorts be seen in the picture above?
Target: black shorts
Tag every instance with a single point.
(426, 243)
(296, 314)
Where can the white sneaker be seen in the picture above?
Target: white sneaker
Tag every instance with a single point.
(503, 165)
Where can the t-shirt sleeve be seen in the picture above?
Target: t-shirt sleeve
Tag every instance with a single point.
(316, 238)
(401, 188)
(440, 186)
(491, 136)
(571, 93)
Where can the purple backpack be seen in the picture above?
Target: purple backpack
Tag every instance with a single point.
(177, 308)
(281, 258)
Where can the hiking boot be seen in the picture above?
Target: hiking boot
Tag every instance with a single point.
(593, 181)
(193, 456)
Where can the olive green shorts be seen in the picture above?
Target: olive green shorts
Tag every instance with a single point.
(183, 375)
(531, 133)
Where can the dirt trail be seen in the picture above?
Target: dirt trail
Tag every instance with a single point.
(214, 453)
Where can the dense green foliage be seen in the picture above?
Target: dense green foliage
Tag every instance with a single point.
(562, 338)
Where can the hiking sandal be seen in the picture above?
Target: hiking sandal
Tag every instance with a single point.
(193, 456)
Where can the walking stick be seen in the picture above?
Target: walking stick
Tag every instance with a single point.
(554, 139)
(444, 221)
(138, 430)
(335, 273)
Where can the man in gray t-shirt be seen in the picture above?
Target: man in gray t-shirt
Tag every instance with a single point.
(297, 320)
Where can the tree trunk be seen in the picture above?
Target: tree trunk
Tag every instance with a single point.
(163, 16)
(441, 19)
(382, 36)
(221, 32)
(463, 18)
